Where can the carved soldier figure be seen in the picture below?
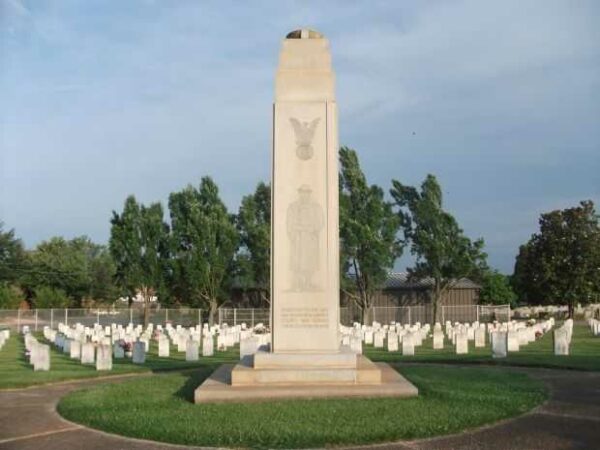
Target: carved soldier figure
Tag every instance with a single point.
(304, 224)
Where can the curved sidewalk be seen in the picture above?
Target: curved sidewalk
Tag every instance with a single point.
(569, 420)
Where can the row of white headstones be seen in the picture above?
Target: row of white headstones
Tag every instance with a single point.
(504, 336)
(594, 325)
(99, 345)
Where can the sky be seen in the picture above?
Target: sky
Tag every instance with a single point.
(102, 99)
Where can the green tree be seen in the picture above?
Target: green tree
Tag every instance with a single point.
(496, 289)
(48, 297)
(10, 296)
(443, 253)
(204, 241)
(254, 226)
(525, 280)
(561, 263)
(139, 247)
(61, 265)
(78, 267)
(12, 255)
(368, 234)
(102, 272)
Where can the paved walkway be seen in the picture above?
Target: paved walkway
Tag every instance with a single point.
(569, 420)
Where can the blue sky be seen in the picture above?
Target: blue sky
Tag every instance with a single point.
(101, 99)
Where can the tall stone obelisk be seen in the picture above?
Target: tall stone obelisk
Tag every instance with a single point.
(305, 232)
(305, 358)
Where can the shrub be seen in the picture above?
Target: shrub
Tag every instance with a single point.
(47, 297)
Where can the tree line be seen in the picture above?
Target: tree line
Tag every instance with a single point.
(197, 252)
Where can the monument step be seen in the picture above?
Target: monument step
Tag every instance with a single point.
(218, 388)
(363, 372)
(340, 360)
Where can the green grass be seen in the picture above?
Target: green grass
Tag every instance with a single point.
(160, 408)
(16, 372)
(585, 353)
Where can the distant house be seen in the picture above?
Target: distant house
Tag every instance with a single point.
(399, 291)
(396, 291)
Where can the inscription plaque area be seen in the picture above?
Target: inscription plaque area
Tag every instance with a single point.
(304, 317)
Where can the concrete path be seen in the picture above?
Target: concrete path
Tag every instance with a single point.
(569, 420)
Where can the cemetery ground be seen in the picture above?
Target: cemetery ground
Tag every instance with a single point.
(16, 372)
(452, 398)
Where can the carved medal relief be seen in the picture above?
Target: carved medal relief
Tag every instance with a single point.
(305, 133)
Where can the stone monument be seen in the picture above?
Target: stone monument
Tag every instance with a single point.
(306, 357)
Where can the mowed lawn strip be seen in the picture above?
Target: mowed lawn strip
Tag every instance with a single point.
(16, 372)
(585, 353)
(160, 408)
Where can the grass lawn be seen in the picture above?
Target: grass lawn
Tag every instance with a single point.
(16, 372)
(160, 408)
(585, 353)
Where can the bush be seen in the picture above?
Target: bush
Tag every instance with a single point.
(47, 297)
(10, 296)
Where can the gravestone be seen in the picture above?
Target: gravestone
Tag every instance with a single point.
(67, 346)
(41, 360)
(408, 346)
(480, 337)
(462, 343)
(139, 352)
(118, 350)
(88, 353)
(305, 347)
(181, 342)
(208, 346)
(75, 350)
(378, 339)
(392, 342)
(164, 347)
(356, 344)
(561, 342)
(438, 339)
(104, 357)
(513, 341)
(248, 347)
(191, 351)
(499, 344)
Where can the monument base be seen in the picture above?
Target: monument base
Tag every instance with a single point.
(244, 382)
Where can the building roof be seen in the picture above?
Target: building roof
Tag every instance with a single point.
(399, 280)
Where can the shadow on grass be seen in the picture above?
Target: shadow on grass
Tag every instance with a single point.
(194, 379)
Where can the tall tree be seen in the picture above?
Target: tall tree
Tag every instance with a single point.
(561, 263)
(139, 246)
(12, 268)
(369, 228)
(12, 255)
(254, 226)
(204, 241)
(443, 253)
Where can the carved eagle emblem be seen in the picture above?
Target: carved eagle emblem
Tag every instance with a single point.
(305, 133)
